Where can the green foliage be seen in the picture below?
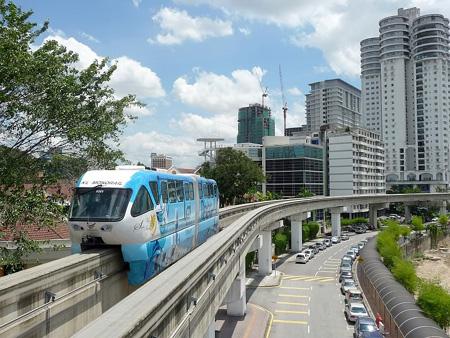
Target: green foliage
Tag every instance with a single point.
(443, 220)
(249, 259)
(388, 248)
(313, 229)
(405, 273)
(434, 232)
(280, 241)
(417, 223)
(305, 193)
(234, 173)
(435, 303)
(55, 121)
(357, 220)
(305, 233)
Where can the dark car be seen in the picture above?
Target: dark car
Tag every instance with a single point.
(365, 327)
(314, 248)
(360, 230)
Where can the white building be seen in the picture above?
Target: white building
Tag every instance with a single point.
(332, 102)
(161, 161)
(406, 98)
(355, 164)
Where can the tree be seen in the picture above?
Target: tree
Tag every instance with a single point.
(305, 193)
(55, 122)
(234, 173)
(435, 302)
(405, 273)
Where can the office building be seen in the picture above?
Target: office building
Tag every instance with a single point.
(355, 158)
(406, 98)
(161, 161)
(254, 122)
(332, 102)
(252, 150)
(291, 165)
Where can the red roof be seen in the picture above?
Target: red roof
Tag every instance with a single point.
(60, 231)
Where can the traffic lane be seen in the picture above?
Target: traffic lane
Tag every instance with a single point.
(308, 299)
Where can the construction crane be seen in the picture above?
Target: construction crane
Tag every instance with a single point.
(283, 99)
(265, 91)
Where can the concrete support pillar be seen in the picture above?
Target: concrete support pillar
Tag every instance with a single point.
(373, 214)
(265, 253)
(443, 208)
(236, 297)
(296, 231)
(407, 214)
(336, 221)
(211, 333)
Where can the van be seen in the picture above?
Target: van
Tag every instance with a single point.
(353, 295)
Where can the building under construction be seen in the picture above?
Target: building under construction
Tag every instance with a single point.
(254, 122)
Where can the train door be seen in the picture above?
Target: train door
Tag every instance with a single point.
(180, 204)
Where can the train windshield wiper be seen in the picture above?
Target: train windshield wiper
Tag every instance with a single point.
(90, 189)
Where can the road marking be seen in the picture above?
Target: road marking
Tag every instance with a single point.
(291, 303)
(290, 311)
(269, 326)
(326, 271)
(293, 288)
(293, 296)
(299, 322)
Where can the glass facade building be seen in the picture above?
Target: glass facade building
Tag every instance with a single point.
(291, 169)
(254, 122)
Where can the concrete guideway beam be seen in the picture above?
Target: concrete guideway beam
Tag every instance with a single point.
(296, 231)
(236, 299)
(336, 220)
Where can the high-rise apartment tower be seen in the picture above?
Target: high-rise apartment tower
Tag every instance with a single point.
(254, 122)
(406, 96)
(332, 102)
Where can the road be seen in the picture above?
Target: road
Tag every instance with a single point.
(308, 301)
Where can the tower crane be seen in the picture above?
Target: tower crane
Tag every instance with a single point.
(264, 90)
(283, 98)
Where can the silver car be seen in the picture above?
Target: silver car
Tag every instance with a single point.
(345, 267)
(301, 258)
(354, 311)
(347, 284)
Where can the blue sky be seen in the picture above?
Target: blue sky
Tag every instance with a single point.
(194, 62)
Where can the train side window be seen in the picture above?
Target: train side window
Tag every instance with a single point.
(186, 191)
(191, 191)
(142, 203)
(200, 191)
(215, 190)
(205, 190)
(164, 191)
(180, 191)
(172, 191)
(154, 189)
(210, 190)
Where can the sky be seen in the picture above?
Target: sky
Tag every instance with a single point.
(195, 62)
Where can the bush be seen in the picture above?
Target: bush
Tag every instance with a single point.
(388, 248)
(417, 223)
(280, 241)
(405, 273)
(305, 233)
(435, 303)
(313, 229)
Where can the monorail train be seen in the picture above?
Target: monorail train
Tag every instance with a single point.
(156, 217)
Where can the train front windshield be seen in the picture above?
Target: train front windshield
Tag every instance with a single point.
(99, 204)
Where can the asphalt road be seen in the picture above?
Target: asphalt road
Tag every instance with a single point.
(308, 301)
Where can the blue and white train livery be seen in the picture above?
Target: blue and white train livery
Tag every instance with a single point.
(155, 217)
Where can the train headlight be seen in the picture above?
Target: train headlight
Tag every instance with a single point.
(76, 227)
(107, 227)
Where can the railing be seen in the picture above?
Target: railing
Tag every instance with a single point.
(190, 291)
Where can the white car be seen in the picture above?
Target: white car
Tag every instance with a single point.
(301, 258)
(327, 242)
(347, 284)
(309, 253)
(335, 240)
(355, 310)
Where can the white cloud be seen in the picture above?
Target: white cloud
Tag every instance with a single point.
(130, 77)
(136, 3)
(336, 27)
(295, 91)
(139, 111)
(89, 37)
(178, 26)
(194, 125)
(321, 69)
(220, 94)
(139, 146)
(245, 31)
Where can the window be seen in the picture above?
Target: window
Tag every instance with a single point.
(205, 190)
(215, 190)
(154, 189)
(200, 191)
(164, 191)
(191, 191)
(180, 191)
(142, 203)
(172, 191)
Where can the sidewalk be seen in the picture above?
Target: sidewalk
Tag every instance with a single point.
(252, 325)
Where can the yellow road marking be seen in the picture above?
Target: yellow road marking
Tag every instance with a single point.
(300, 322)
(334, 271)
(269, 327)
(293, 288)
(326, 279)
(290, 311)
(291, 303)
(293, 296)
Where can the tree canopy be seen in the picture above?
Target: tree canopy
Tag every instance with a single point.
(234, 173)
(55, 121)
